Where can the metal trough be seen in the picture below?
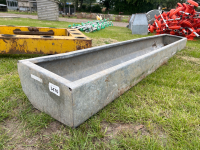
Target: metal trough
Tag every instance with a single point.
(74, 86)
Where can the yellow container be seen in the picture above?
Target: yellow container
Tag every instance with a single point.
(41, 40)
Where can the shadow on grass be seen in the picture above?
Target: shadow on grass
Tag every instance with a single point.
(16, 56)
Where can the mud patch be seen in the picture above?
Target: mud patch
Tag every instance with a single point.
(21, 139)
(16, 133)
(53, 128)
(12, 127)
(102, 41)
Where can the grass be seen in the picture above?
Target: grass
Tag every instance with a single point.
(160, 112)
(33, 22)
(22, 12)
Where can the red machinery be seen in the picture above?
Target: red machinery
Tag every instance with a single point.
(182, 21)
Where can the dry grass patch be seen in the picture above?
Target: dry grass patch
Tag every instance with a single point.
(189, 48)
(112, 130)
(14, 131)
(191, 59)
(102, 41)
(20, 138)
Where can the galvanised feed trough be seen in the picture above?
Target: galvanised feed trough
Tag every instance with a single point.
(72, 87)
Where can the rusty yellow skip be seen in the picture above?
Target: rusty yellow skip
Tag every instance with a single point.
(41, 40)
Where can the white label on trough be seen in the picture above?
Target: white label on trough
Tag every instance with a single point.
(54, 89)
(36, 78)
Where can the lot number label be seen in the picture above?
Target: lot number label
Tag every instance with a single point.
(54, 89)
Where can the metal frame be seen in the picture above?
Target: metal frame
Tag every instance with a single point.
(41, 40)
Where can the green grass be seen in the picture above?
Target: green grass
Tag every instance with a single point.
(3, 138)
(160, 112)
(22, 12)
(33, 22)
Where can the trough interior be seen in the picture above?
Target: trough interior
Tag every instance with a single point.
(78, 67)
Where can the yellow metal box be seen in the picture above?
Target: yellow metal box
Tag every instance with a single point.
(41, 40)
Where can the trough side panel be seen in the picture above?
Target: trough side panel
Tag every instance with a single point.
(92, 96)
(131, 21)
(41, 45)
(140, 29)
(46, 94)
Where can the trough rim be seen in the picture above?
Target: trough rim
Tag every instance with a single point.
(77, 83)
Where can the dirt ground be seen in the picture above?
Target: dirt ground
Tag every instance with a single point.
(119, 24)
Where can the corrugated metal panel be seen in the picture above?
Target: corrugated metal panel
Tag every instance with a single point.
(47, 10)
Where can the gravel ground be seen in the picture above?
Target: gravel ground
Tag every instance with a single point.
(119, 24)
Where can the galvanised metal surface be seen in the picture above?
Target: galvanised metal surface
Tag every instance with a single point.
(47, 10)
(74, 86)
(151, 15)
(41, 40)
(131, 21)
(140, 24)
(12, 4)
